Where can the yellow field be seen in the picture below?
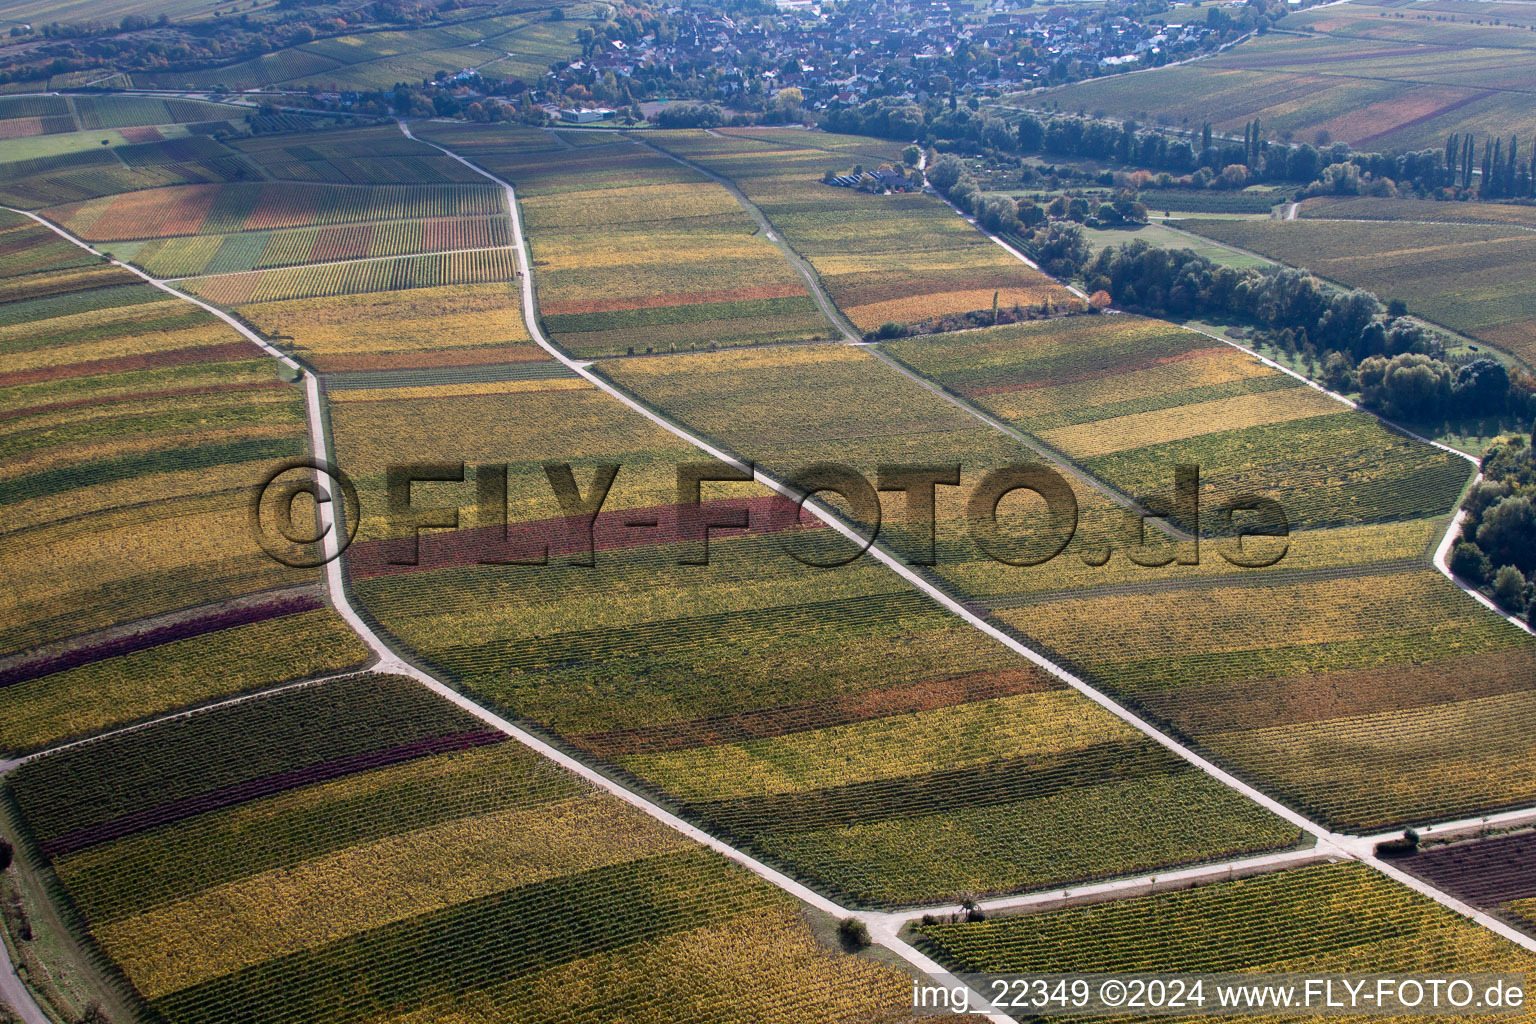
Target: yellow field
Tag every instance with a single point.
(339, 894)
(339, 331)
(964, 734)
(1101, 437)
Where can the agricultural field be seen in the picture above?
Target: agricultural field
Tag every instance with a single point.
(27, 116)
(221, 209)
(133, 423)
(1471, 278)
(194, 255)
(1496, 874)
(505, 40)
(835, 724)
(1128, 399)
(1371, 208)
(1330, 917)
(634, 252)
(1167, 238)
(376, 155)
(902, 258)
(1293, 679)
(345, 850)
(1374, 82)
(447, 325)
(77, 166)
(228, 809)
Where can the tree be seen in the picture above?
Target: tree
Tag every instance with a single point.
(1412, 387)
(789, 98)
(1480, 388)
(1031, 134)
(7, 854)
(911, 155)
(1469, 562)
(1508, 534)
(1509, 589)
(944, 172)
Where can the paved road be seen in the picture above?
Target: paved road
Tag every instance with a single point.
(15, 994)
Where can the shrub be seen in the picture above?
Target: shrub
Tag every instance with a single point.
(1404, 847)
(853, 933)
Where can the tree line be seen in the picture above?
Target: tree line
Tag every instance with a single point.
(1346, 337)
(1497, 548)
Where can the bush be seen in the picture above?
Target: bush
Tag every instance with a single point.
(1469, 562)
(891, 329)
(853, 933)
(1404, 847)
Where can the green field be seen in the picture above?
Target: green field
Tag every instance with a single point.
(1167, 238)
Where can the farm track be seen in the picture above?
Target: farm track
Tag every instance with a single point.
(884, 927)
(800, 263)
(852, 337)
(15, 994)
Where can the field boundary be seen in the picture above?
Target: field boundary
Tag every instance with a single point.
(331, 263)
